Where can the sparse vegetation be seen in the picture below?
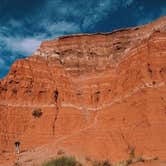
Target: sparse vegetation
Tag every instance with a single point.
(4, 151)
(37, 113)
(132, 159)
(101, 163)
(16, 164)
(60, 152)
(88, 159)
(122, 163)
(155, 158)
(63, 161)
(131, 152)
(71, 161)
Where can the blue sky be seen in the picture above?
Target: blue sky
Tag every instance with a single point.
(25, 23)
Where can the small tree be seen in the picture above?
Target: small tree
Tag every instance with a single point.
(37, 112)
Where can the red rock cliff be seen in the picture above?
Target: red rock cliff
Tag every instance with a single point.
(100, 95)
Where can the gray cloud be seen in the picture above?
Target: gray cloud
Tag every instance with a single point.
(52, 18)
(17, 43)
(22, 45)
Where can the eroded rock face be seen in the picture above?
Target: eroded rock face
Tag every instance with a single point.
(99, 96)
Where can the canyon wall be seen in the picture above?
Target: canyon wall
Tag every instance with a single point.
(97, 96)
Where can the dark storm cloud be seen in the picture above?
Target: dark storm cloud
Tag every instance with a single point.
(24, 24)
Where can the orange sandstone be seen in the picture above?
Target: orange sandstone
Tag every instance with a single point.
(100, 95)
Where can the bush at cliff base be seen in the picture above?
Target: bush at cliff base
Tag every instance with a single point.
(63, 161)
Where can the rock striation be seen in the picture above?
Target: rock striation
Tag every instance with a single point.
(96, 96)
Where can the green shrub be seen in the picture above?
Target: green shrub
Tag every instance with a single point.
(37, 112)
(63, 161)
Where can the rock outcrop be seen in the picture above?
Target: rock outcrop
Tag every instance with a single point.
(98, 96)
